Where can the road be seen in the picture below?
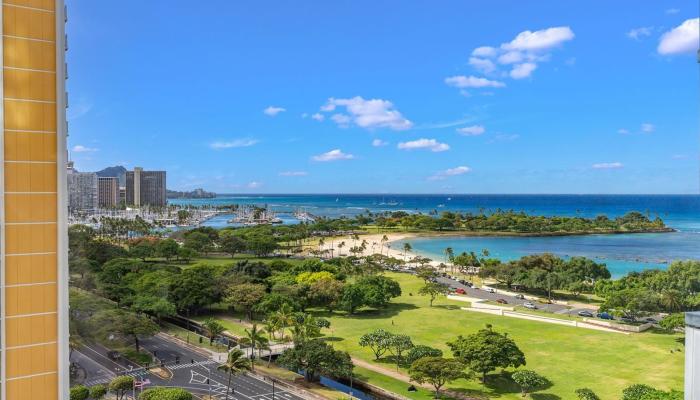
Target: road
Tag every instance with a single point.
(190, 370)
(512, 300)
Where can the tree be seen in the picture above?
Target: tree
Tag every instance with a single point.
(126, 324)
(420, 351)
(245, 295)
(486, 350)
(673, 321)
(199, 242)
(254, 338)
(121, 385)
(142, 250)
(529, 381)
(425, 272)
(167, 249)
(317, 358)
(352, 298)
(213, 328)
(326, 293)
(378, 290)
(378, 341)
(272, 302)
(236, 364)
(186, 254)
(646, 392)
(158, 307)
(195, 288)
(98, 392)
(79, 392)
(586, 394)
(231, 244)
(163, 393)
(436, 371)
(406, 248)
(398, 344)
(434, 289)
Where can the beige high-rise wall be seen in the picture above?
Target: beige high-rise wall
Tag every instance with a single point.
(33, 277)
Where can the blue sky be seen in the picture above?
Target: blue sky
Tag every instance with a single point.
(389, 96)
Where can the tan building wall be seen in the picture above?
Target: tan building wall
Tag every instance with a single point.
(33, 236)
(107, 192)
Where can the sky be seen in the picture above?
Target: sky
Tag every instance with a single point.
(389, 96)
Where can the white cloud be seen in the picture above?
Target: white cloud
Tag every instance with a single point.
(233, 144)
(672, 11)
(341, 119)
(369, 114)
(333, 155)
(79, 148)
(461, 170)
(379, 143)
(623, 131)
(429, 144)
(474, 130)
(318, 117)
(510, 57)
(681, 39)
(523, 70)
(540, 40)
(482, 64)
(638, 33)
(484, 51)
(254, 185)
(272, 110)
(293, 173)
(608, 165)
(462, 81)
(526, 50)
(647, 127)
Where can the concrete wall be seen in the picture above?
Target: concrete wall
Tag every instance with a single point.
(692, 356)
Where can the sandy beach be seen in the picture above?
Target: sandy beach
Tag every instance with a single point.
(392, 247)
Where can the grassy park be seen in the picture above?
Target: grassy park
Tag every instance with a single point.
(571, 358)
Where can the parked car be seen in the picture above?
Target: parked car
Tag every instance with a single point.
(605, 315)
(460, 291)
(491, 290)
(529, 305)
(501, 301)
(114, 355)
(462, 281)
(585, 313)
(520, 296)
(468, 284)
(651, 320)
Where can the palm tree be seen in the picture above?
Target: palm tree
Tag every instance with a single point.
(384, 240)
(213, 328)
(355, 237)
(321, 242)
(265, 346)
(284, 317)
(671, 300)
(272, 325)
(236, 363)
(254, 337)
(340, 248)
(406, 248)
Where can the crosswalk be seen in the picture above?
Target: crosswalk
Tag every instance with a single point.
(191, 365)
(107, 379)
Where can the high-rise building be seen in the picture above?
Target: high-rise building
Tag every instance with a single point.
(107, 191)
(82, 191)
(33, 203)
(145, 188)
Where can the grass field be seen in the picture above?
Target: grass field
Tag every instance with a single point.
(570, 357)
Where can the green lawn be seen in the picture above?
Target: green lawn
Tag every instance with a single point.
(570, 357)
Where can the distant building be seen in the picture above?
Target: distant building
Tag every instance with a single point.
(107, 192)
(122, 194)
(145, 188)
(82, 190)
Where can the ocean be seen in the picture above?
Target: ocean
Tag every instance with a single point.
(622, 253)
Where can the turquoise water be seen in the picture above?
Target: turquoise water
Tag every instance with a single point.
(622, 253)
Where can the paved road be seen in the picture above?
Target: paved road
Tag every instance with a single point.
(193, 372)
(483, 294)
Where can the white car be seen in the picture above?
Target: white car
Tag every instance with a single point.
(491, 290)
(529, 305)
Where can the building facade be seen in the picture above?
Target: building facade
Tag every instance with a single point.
(145, 188)
(82, 191)
(692, 356)
(33, 203)
(107, 192)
